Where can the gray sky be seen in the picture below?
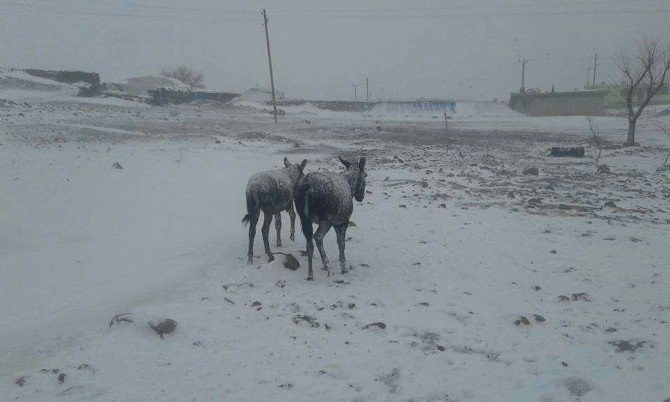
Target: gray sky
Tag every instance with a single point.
(447, 49)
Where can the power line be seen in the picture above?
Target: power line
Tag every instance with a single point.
(425, 13)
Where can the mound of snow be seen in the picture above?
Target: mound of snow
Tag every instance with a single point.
(140, 85)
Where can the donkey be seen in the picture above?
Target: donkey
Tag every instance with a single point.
(325, 198)
(271, 192)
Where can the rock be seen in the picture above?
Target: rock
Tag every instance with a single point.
(603, 169)
(536, 288)
(581, 296)
(123, 317)
(531, 171)
(535, 201)
(539, 318)
(563, 298)
(290, 262)
(164, 327)
(308, 319)
(257, 305)
(627, 345)
(402, 206)
(379, 325)
(610, 204)
(577, 386)
(117, 165)
(552, 251)
(577, 152)
(21, 381)
(61, 378)
(510, 195)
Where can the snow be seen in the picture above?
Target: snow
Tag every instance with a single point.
(140, 85)
(441, 254)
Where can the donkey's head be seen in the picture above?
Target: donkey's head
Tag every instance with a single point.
(295, 171)
(356, 174)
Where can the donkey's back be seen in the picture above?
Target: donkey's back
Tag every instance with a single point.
(323, 196)
(270, 192)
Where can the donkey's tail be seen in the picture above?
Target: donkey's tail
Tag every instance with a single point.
(303, 209)
(252, 209)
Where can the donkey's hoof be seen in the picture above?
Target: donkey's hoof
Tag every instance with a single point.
(271, 258)
(250, 260)
(278, 243)
(292, 237)
(310, 278)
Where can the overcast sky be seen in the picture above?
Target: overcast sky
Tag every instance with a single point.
(409, 49)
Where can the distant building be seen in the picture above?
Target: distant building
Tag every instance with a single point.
(577, 103)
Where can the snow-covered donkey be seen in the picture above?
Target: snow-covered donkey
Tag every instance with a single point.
(325, 198)
(272, 193)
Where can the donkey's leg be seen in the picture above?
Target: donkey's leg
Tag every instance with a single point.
(278, 227)
(267, 221)
(324, 227)
(253, 220)
(341, 231)
(291, 213)
(307, 231)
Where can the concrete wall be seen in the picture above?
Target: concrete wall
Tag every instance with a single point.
(68, 77)
(163, 96)
(578, 103)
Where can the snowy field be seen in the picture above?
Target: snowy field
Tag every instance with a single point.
(490, 284)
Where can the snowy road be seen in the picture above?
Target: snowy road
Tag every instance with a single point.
(483, 295)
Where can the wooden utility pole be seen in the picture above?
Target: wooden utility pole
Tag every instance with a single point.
(272, 79)
(523, 74)
(367, 90)
(595, 63)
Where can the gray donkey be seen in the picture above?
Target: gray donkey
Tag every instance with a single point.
(325, 198)
(271, 192)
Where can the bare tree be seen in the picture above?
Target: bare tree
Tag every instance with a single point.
(646, 75)
(665, 130)
(594, 132)
(185, 74)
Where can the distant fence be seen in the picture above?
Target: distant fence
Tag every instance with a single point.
(417, 107)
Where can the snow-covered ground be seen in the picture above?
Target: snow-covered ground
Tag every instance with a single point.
(491, 284)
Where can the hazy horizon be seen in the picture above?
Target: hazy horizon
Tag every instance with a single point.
(456, 49)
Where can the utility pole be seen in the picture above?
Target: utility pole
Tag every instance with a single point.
(523, 74)
(367, 90)
(272, 79)
(595, 63)
(355, 95)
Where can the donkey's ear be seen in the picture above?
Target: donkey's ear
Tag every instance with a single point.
(361, 163)
(302, 164)
(286, 162)
(345, 163)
